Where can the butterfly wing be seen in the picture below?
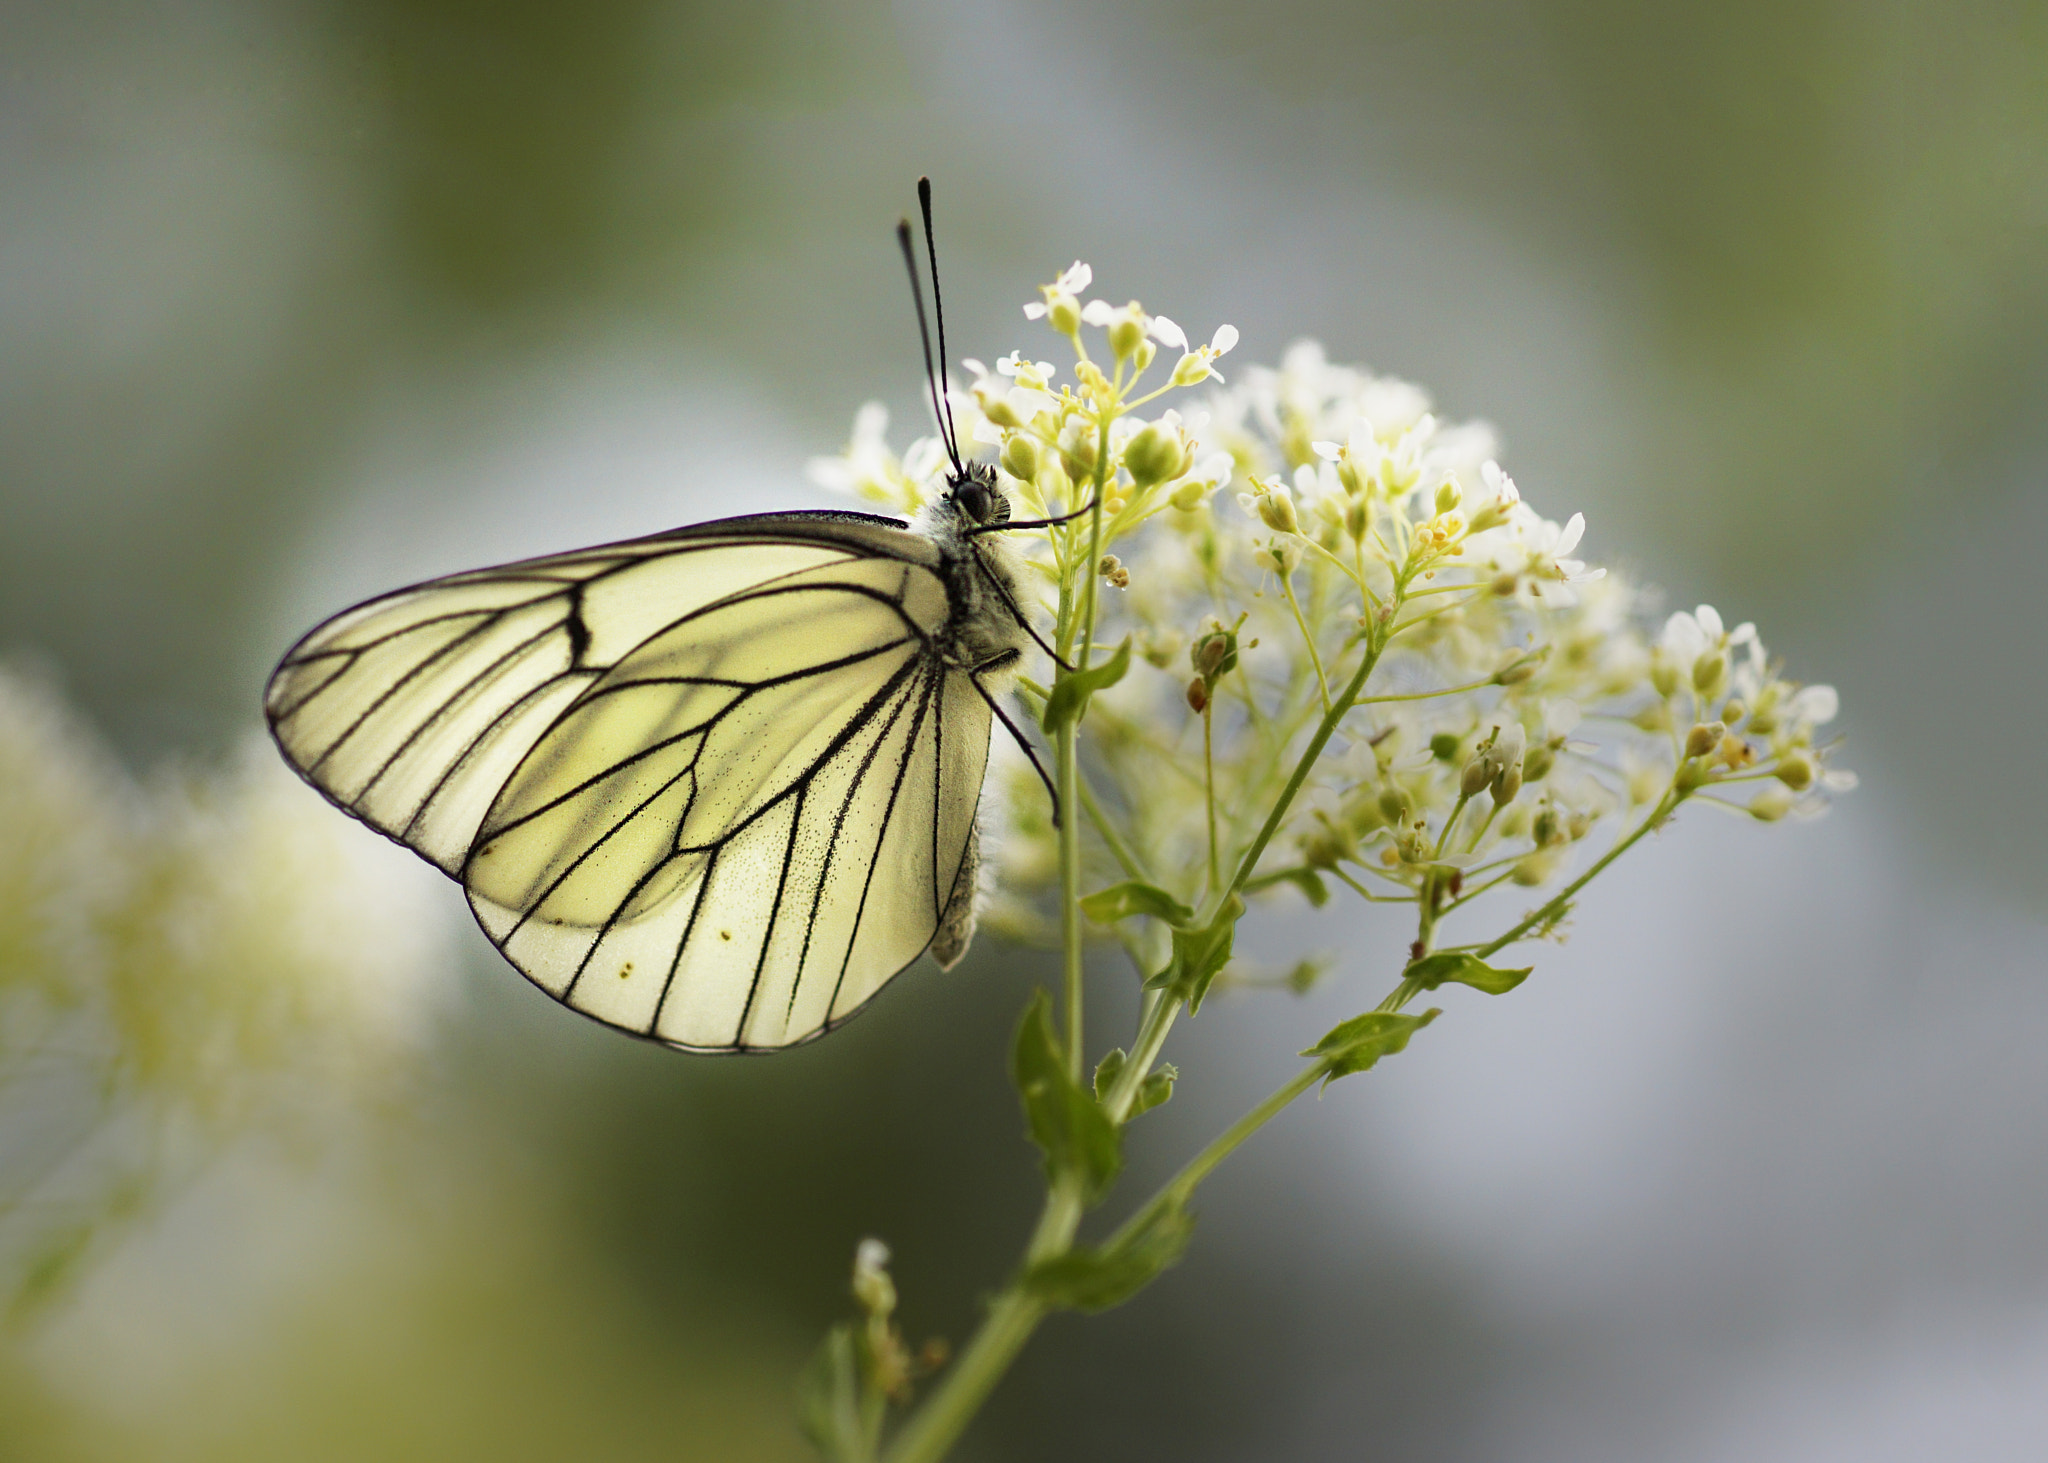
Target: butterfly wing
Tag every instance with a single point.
(714, 787)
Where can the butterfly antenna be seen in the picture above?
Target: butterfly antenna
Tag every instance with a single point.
(931, 249)
(924, 334)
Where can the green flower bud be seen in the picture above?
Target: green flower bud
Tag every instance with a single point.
(1191, 495)
(1548, 828)
(1020, 457)
(1535, 868)
(1478, 773)
(1127, 332)
(1771, 804)
(1703, 738)
(1710, 674)
(1663, 673)
(1214, 654)
(1393, 801)
(1276, 511)
(1192, 370)
(1156, 454)
(1655, 717)
(1540, 759)
(1797, 770)
(1328, 844)
(1064, 314)
(1448, 495)
(1444, 746)
(1077, 449)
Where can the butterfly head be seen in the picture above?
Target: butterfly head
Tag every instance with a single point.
(976, 498)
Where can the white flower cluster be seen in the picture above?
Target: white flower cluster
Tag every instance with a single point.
(1491, 699)
(182, 963)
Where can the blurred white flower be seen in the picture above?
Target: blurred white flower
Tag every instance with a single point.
(184, 963)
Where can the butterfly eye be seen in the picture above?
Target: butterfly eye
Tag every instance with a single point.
(975, 501)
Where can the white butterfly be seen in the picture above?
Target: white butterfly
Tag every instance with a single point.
(716, 786)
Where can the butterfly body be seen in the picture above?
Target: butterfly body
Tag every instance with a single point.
(716, 786)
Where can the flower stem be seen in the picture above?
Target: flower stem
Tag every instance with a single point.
(1324, 730)
(1012, 1317)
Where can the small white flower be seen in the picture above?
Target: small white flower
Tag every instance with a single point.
(1074, 279)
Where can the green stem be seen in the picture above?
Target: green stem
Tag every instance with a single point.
(1068, 772)
(1118, 849)
(1209, 796)
(1177, 1189)
(1657, 815)
(1324, 730)
(937, 1424)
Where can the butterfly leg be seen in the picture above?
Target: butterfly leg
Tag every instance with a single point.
(1026, 625)
(1016, 732)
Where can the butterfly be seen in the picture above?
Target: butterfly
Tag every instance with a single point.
(716, 786)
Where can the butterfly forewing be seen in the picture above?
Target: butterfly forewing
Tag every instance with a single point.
(714, 787)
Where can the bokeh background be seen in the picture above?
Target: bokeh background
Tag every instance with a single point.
(305, 300)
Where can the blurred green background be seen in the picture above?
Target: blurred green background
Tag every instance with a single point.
(305, 300)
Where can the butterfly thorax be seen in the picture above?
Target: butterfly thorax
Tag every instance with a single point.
(983, 631)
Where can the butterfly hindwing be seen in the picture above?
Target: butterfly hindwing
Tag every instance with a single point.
(714, 787)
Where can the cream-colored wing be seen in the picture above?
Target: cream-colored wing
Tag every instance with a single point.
(412, 710)
(752, 821)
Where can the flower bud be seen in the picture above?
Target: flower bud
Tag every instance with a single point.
(1535, 868)
(1063, 313)
(1797, 770)
(1655, 717)
(1548, 828)
(1393, 803)
(1148, 351)
(1770, 804)
(1156, 454)
(993, 399)
(1663, 672)
(1710, 674)
(1357, 518)
(1077, 449)
(1538, 761)
(1198, 695)
(1703, 738)
(1328, 845)
(872, 1286)
(1191, 495)
(1127, 331)
(1214, 654)
(1276, 511)
(1020, 457)
(1478, 773)
(1448, 495)
(1192, 370)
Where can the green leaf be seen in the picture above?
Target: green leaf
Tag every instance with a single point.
(1066, 1122)
(1354, 1045)
(1459, 968)
(1119, 901)
(1156, 1088)
(828, 1400)
(1096, 1279)
(1198, 956)
(1070, 693)
(1108, 1070)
